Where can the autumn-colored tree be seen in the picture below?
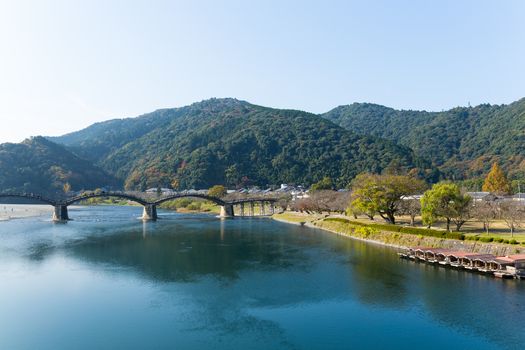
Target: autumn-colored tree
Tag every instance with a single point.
(66, 187)
(175, 183)
(496, 181)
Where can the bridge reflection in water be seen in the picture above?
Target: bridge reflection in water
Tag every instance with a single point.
(246, 206)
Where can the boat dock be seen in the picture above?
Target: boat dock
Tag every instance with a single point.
(511, 266)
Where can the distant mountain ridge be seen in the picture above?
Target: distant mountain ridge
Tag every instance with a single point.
(232, 142)
(236, 143)
(461, 142)
(41, 166)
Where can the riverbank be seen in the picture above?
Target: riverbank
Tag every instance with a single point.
(395, 239)
(19, 211)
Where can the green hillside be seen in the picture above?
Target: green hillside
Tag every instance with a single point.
(100, 139)
(463, 142)
(40, 166)
(235, 143)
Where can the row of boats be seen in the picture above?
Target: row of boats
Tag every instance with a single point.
(510, 266)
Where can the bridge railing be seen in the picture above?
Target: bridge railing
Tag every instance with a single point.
(143, 198)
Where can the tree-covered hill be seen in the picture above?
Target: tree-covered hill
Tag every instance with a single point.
(463, 142)
(100, 139)
(40, 166)
(232, 142)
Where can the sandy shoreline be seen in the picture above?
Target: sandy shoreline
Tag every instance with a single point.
(19, 211)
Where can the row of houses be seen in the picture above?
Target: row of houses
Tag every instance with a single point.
(296, 192)
(481, 196)
(487, 196)
(169, 191)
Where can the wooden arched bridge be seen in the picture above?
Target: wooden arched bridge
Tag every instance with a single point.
(150, 205)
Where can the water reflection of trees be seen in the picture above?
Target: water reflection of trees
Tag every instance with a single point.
(186, 251)
(182, 252)
(376, 277)
(306, 267)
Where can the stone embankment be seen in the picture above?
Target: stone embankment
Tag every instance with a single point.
(398, 239)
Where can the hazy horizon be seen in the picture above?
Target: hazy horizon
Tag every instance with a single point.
(65, 65)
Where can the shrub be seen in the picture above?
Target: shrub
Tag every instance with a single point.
(486, 239)
(498, 240)
(455, 235)
(402, 229)
(423, 231)
(387, 227)
(513, 241)
(183, 202)
(194, 206)
(506, 241)
(357, 223)
(365, 231)
(343, 220)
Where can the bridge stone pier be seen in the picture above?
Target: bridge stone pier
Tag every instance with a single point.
(227, 211)
(60, 213)
(150, 212)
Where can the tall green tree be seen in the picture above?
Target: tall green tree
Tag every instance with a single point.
(324, 184)
(496, 181)
(445, 200)
(382, 194)
(217, 191)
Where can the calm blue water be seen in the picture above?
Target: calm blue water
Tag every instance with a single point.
(108, 281)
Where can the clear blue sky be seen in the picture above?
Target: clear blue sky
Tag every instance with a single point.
(67, 64)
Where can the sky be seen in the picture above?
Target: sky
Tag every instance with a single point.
(67, 64)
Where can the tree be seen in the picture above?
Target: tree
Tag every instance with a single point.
(496, 181)
(394, 168)
(218, 191)
(324, 184)
(513, 214)
(175, 183)
(328, 201)
(461, 208)
(486, 211)
(411, 207)
(355, 212)
(283, 203)
(66, 187)
(445, 200)
(382, 194)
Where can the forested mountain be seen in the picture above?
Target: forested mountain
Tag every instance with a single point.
(100, 139)
(232, 142)
(462, 142)
(40, 166)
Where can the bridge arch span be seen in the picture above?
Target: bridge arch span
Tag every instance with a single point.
(86, 196)
(215, 200)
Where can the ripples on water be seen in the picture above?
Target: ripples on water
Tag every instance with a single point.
(108, 281)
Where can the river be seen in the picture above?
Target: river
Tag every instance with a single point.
(108, 281)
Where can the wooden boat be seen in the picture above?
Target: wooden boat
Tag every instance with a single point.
(503, 274)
